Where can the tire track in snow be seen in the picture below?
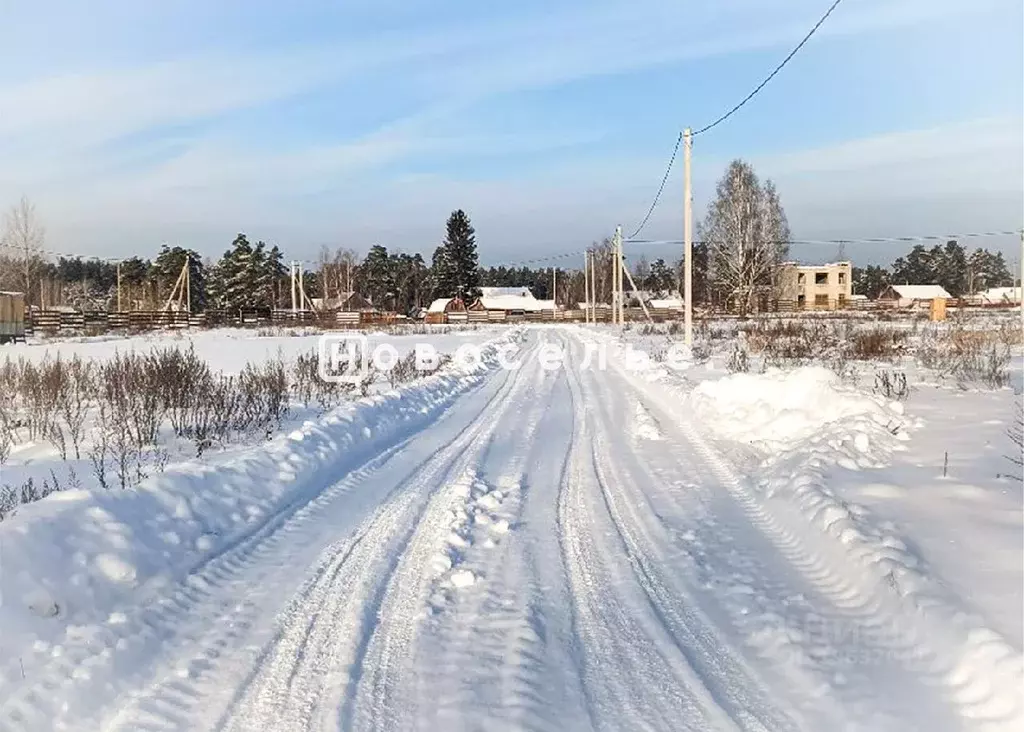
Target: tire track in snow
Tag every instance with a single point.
(711, 660)
(489, 647)
(313, 689)
(393, 697)
(635, 672)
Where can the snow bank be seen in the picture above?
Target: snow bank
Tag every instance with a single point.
(805, 422)
(72, 559)
(780, 408)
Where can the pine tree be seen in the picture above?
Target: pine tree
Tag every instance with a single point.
(272, 277)
(462, 275)
(167, 268)
(442, 275)
(378, 277)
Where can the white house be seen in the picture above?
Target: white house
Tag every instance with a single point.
(905, 296)
(510, 300)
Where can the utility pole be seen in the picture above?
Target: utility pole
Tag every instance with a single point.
(291, 276)
(554, 293)
(119, 285)
(302, 290)
(188, 282)
(615, 278)
(593, 287)
(586, 287)
(688, 237)
(617, 269)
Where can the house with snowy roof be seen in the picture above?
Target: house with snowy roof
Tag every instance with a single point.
(908, 296)
(511, 301)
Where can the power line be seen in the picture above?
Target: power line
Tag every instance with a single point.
(661, 188)
(772, 75)
(865, 240)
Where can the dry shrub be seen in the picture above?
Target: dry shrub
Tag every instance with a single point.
(878, 343)
(968, 356)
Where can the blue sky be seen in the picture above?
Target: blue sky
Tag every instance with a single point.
(355, 122)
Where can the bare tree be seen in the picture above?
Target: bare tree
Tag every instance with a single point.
(337, 271)
(747, 236)
(642, 272)
(24, 234)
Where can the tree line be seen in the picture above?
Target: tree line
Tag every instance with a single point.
(743, 243)
(959, 272)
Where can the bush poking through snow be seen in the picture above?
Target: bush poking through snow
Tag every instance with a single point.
(892, 385)
(130, 405)
(739, 363)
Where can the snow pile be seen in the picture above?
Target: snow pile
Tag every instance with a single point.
(72, 559)
(780, 409)
(805, 422)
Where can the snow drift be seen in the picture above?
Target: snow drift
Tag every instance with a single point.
(779, 409)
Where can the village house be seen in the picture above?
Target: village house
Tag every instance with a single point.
(816, 287)
(913, 296)
(510, 301)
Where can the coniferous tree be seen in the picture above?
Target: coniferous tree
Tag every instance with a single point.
(460, 274)
(377, 277)
(167, 267)
(442, 274)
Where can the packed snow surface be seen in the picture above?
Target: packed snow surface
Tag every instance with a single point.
(573, 548)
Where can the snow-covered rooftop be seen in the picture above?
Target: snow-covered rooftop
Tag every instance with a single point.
(671, 303)
(515, 302)
(439, 305)
(505, 292)
(921, 292)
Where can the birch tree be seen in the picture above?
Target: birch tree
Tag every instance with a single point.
(23, 237)
(747, 235)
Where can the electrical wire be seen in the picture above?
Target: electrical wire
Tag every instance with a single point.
(772, 75)
(661, 188)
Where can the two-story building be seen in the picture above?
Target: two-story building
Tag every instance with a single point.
(816, 287)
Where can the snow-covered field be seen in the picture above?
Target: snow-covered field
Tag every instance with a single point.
(558, 546)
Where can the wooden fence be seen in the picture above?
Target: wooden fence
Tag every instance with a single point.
(99, 321)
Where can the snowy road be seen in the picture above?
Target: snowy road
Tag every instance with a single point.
(562, 550)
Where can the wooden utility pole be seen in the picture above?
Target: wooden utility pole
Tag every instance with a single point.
(119, 286)
(593, 287)
(687, 238)
(586, 287)
(640, 296)
(615, 278)
(617, 264)
(554, 292)
(291, 277)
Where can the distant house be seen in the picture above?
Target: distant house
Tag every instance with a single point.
(909, 296)
(999, 296)
(816, 287)
(510, 300)
(440, 309)
(671, 303)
